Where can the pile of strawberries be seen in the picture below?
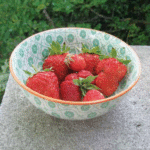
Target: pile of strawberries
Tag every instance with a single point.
(78, 77)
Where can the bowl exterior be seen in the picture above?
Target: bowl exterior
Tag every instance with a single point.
(34, 50)
(71, 112)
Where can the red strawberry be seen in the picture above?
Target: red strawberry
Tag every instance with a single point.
(85, 74)
(91, 61)
(91, 57)
(100, 66)
(69, 91)
(75, 62)
(107, 84)
(58, 65)
(110, 60)
(96, 61)
(56, 60)
(116, 69)
(45, 83)
(92, 95)
(104, 62)
(112, 67)
(72, 76)
(85, 84)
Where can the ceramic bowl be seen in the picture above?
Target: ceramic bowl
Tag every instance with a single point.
(34, 49)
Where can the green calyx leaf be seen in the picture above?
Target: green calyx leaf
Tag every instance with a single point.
(35, 69)
(89, 79)
(91, 87)
(64, 46)
(85, 84)
(31, 74)
(103, 57)
(85, 49)
(76, 82)
(124, 61)
(83, 91)
(57, 49)
(28, 73)
(48, 69)
(94, 50)
(113, 53)
(65, 49)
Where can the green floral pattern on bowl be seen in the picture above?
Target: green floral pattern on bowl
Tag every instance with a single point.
(35, 48)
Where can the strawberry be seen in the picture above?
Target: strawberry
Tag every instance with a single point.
(72, 76)
(89, 61)
(59, 67)
(76, 89)
(95, 61)
(112, 67)
(75, 62)
(56, 60)
(100, 66)
(91, 57)
(45, 82)
(116, 69)
(85, 74)
(69, 91)
(85, 84)
(92, 95)
(108, 84)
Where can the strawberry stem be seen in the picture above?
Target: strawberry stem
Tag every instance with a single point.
(79, 49)
(35, 69)
(49, 69)
(85, 84)
(68, 59)
(28, 73)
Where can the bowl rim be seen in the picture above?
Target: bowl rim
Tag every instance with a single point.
(73, 102)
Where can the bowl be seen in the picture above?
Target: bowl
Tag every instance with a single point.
(34, 49)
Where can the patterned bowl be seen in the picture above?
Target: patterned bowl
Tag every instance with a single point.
(35, 48)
